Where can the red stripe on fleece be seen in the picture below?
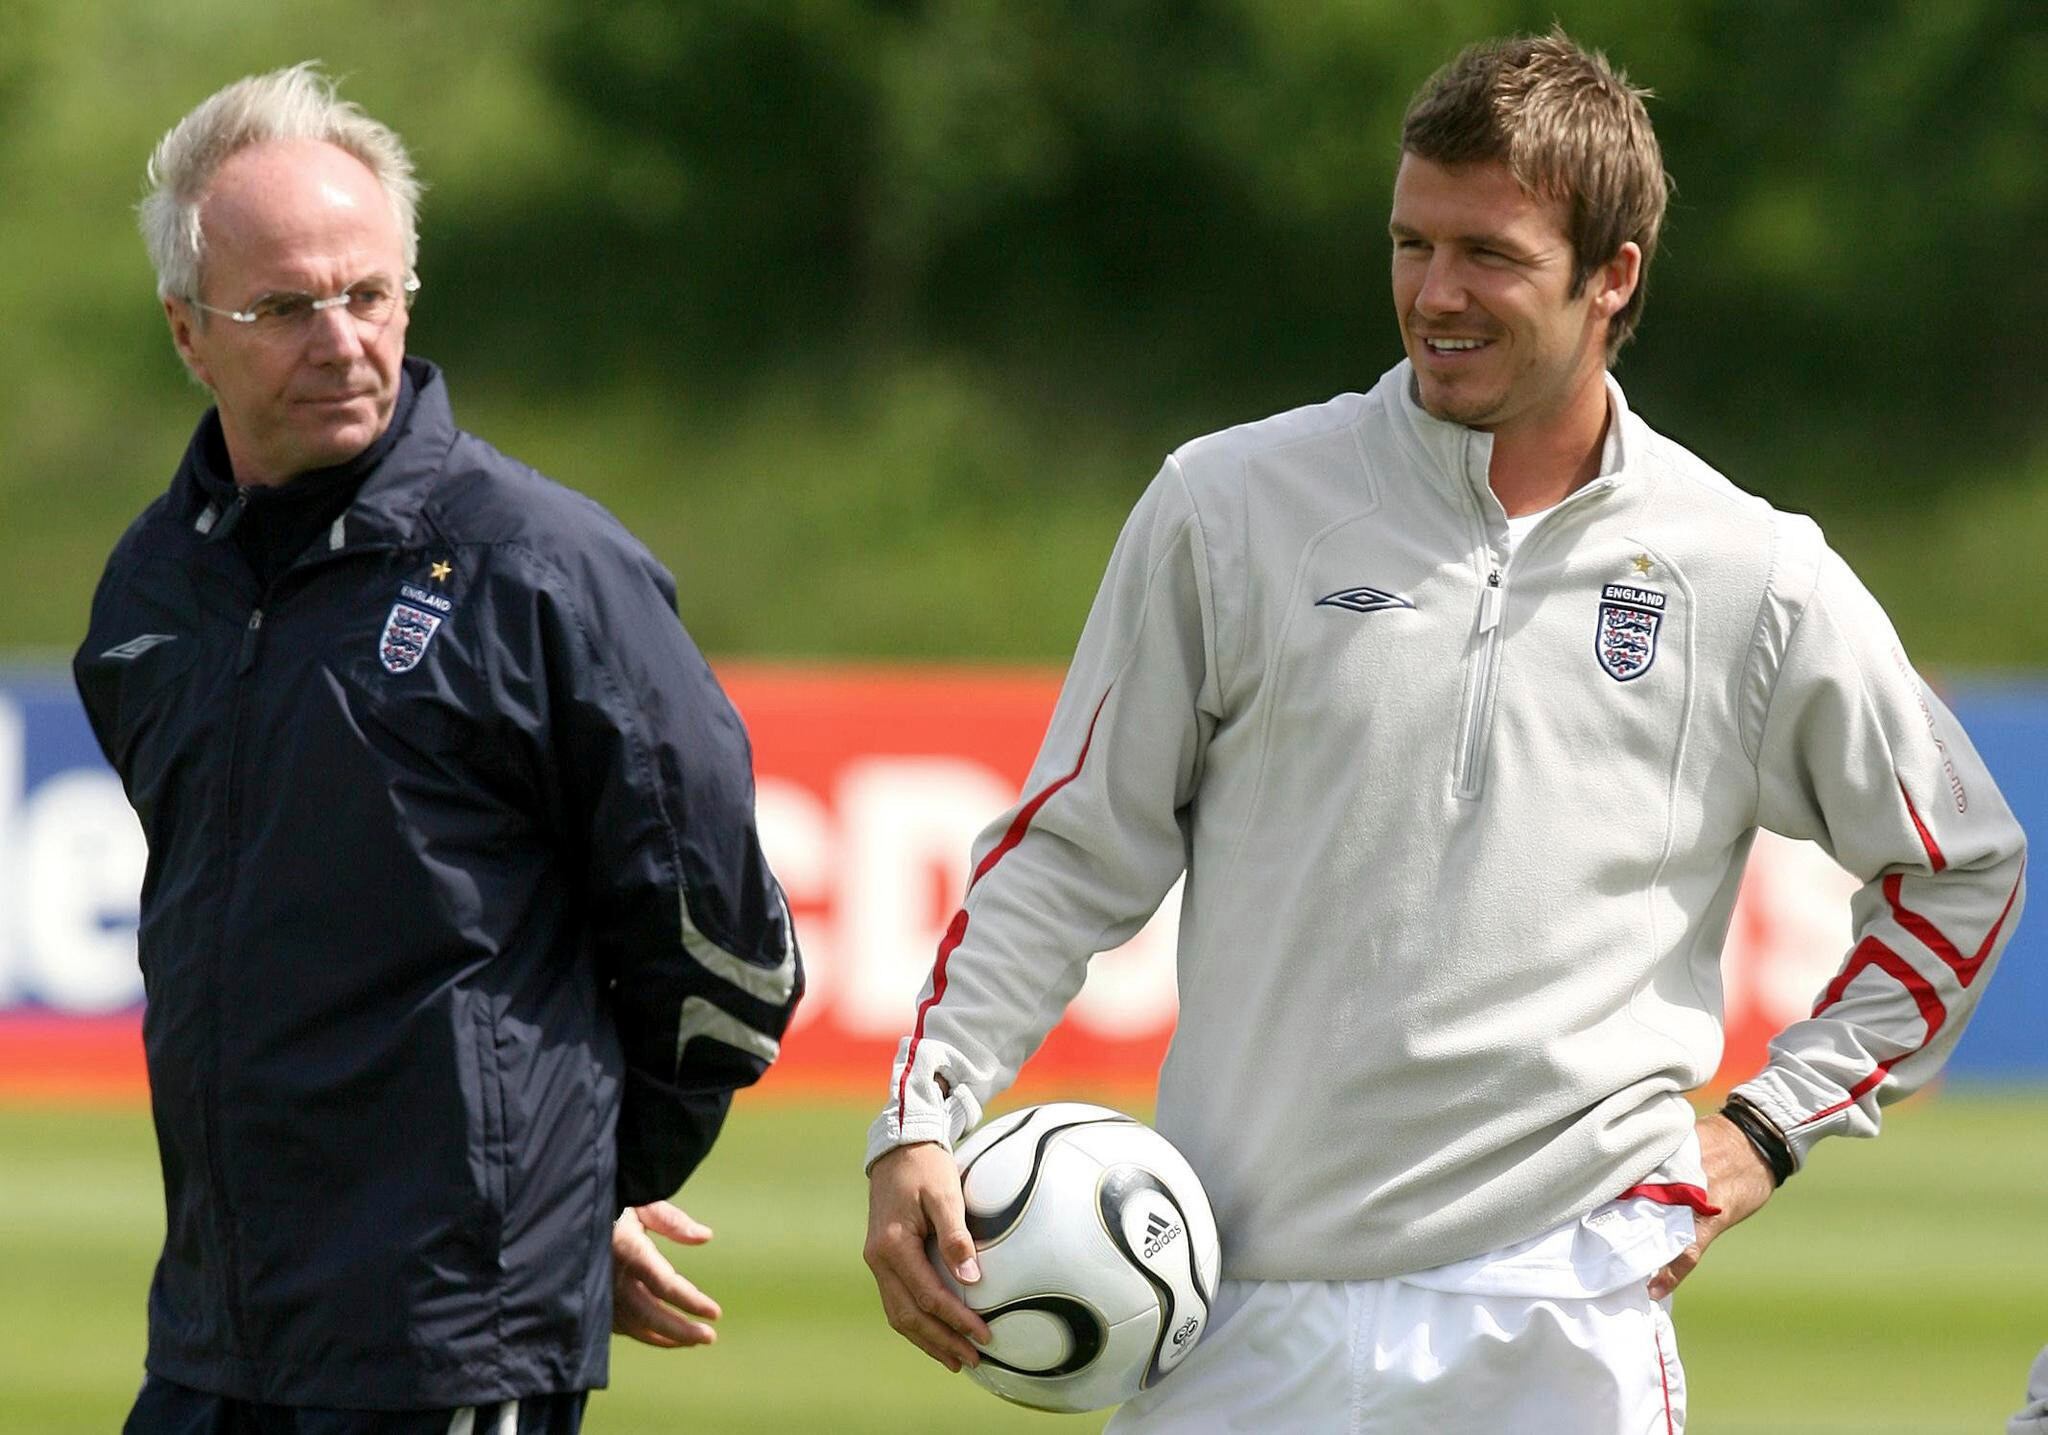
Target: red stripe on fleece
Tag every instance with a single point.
(956, 930)
(1965, 968)
(1674, 1193)
(1926, 838)
(1870, 952)
(1855, 1093)
(1015, 833)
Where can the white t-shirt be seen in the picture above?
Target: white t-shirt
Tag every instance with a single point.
(1519, 526)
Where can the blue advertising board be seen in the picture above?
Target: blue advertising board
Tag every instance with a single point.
(2008, 722)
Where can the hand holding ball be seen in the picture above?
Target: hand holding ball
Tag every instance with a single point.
(1098, 1255)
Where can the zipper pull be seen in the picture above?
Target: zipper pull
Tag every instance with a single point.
(223, 519)
(249, 641)
(1490, 603)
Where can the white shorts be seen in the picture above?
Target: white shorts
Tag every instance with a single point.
(1556, 1335)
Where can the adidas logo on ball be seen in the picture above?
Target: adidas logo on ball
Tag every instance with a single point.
(1159, 1234)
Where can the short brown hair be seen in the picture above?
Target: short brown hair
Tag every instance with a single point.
(1569, 127)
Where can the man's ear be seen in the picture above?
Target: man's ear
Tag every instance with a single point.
(180, 316)
(1614, 283)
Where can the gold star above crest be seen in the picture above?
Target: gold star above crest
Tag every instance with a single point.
(442, 570)
(1642, 564)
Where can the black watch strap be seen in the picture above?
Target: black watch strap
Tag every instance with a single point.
(1764, 1135)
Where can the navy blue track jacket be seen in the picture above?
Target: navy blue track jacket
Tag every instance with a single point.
(456, 934)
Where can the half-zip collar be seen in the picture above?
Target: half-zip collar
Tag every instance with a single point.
(389, 479)
(1457, 459)
(392, 505)
(272, 526)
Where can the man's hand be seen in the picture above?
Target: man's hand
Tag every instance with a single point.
(913, 1193)
(1738, 1181)
(649, 1299)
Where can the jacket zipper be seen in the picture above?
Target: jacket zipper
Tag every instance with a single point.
(245, 662)
(1470, 775)
(250, 634)
(231, 1244)
(1472, 742)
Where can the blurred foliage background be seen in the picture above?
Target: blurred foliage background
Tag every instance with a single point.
(873, 316)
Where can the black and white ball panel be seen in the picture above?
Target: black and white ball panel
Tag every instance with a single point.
(1098, 1254)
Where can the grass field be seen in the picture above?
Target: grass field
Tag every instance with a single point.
(1896, 1288)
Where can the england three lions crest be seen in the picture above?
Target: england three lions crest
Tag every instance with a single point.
(406, 634)
(1626, 640)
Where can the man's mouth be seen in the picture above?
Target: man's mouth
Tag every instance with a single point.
(1454, 346)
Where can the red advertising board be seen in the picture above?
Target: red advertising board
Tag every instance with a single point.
(872, 787)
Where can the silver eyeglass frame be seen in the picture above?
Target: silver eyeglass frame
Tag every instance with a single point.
(407, 292)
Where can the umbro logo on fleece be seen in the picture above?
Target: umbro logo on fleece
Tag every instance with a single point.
(135, 647)
(1364, 600)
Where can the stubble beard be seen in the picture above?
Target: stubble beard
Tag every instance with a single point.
(1474, 411)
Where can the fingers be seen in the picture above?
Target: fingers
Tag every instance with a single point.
(1705, 1228)
(639, 1314)
(651, 1272)
(1666, 1280)
(651, 1302)
(1740, 1182)
(913, 1193)
(667, 1219)
(927, 1315)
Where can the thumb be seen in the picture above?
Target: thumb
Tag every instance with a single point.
(949, 1232)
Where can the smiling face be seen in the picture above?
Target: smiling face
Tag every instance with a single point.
(289, 216)
(1482, 275)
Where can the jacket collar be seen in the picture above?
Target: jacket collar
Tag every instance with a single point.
(1456, 458)
(387, 507)
(390, 506)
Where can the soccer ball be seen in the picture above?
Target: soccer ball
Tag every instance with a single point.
(1098, 1255)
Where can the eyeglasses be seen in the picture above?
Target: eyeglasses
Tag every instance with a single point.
(372, 302)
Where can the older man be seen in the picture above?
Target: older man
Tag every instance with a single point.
(456, 931)
(1459, 703)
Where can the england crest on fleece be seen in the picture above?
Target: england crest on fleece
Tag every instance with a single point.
(1626, 640)
(406, 634)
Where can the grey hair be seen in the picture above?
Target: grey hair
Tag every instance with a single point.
(294, 103)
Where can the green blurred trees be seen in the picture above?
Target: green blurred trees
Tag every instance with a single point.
(1179, 204)
(909, 291)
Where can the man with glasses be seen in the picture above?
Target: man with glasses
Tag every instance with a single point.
(456, 933)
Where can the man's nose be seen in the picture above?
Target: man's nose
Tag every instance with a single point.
(1441, 291)
(335, 335)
